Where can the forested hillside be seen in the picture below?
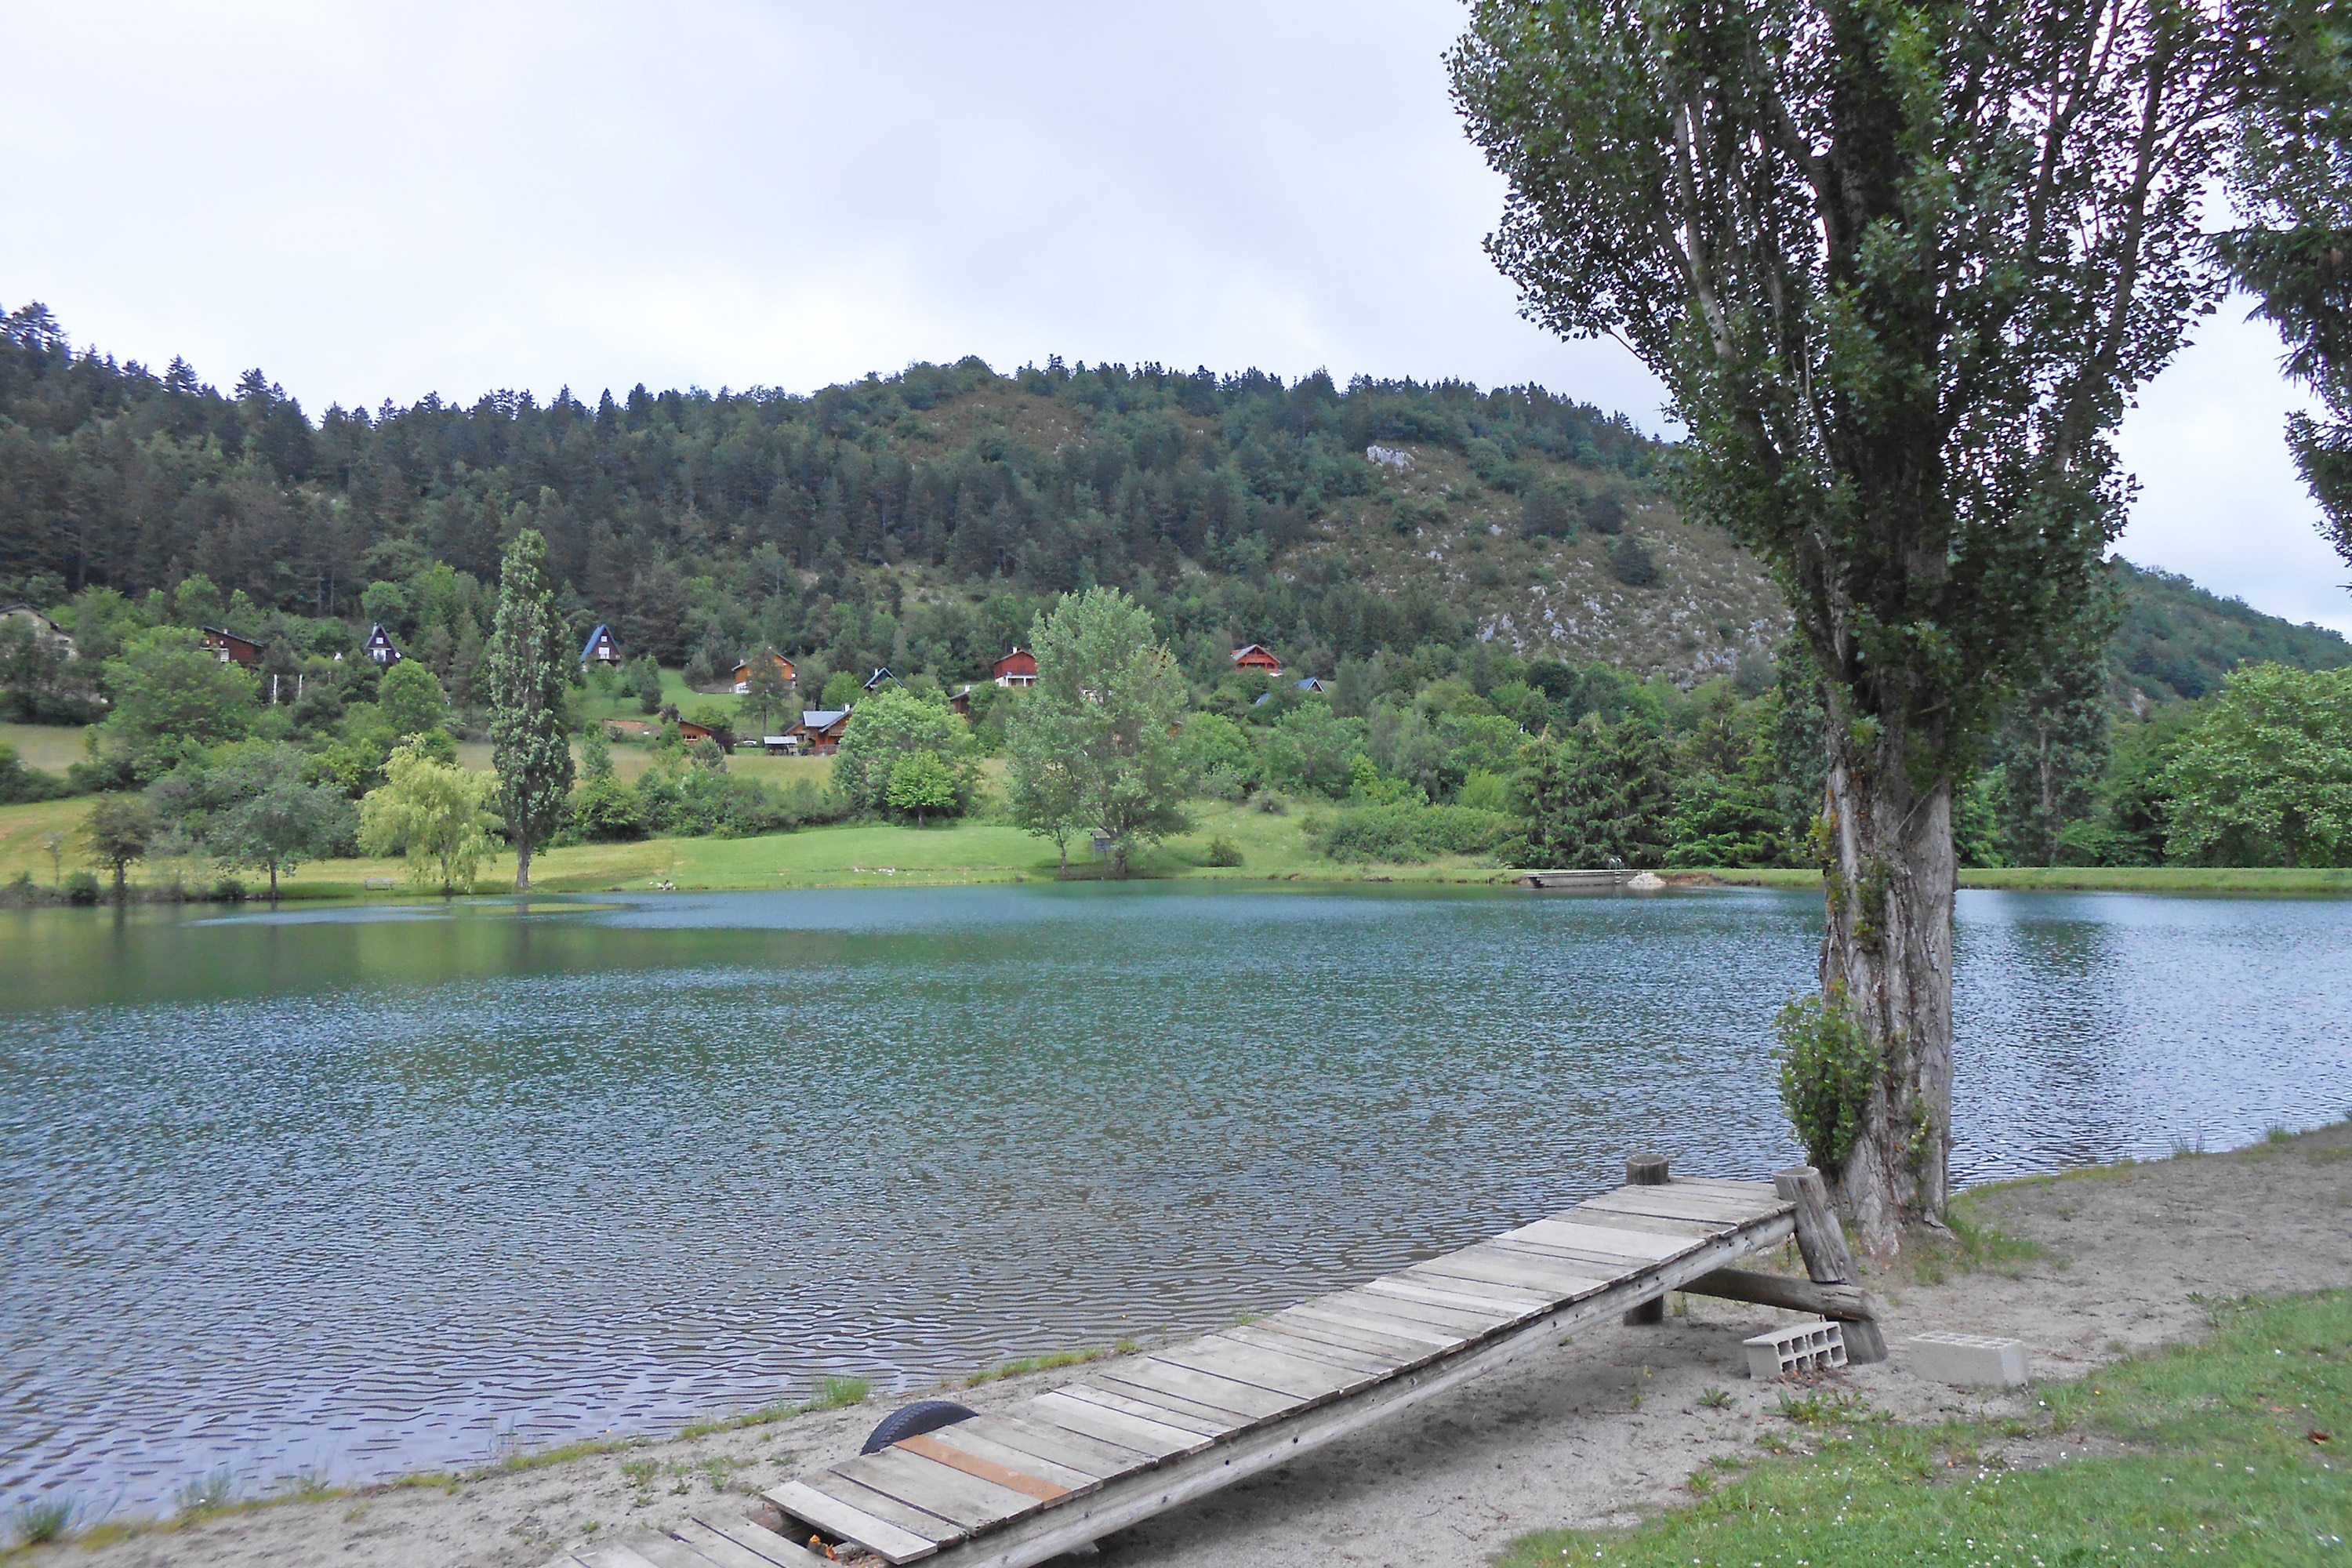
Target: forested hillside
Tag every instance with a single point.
(918, 520)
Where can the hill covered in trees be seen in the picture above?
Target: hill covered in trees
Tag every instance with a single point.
(920, 519)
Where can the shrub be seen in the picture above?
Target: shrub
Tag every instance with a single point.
(606, 810)
(1223, 851)
(1406, 832)
(1828, 1066)
(19, 784)
(81, 888)
(1630, 559)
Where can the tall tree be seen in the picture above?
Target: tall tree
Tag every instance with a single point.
(2053, 750)
(1899, 263)
(435, 816)
(117, 831)
(1107, 706)
(531, 748)
(2292, 180)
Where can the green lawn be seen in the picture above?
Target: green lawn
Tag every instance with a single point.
(2234, 1454)
(52, 748)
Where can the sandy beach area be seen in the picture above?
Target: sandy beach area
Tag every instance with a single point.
(1607, 1431)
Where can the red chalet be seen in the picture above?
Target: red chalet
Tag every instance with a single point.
(820, 731)
(230, 648)
(1018, 667)
(1259, 657)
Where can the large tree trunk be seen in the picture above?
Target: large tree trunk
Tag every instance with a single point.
(1889, 947)
(523, 864)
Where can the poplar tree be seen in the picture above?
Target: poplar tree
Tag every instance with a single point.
(530, 748)
(1900, 264)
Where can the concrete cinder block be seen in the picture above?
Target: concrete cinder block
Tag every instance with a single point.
(1969, 1361)
(1798, 1347)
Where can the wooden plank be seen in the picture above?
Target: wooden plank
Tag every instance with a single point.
(1848, 1303)
(1605, 1240)
(757, 1545)
(1131, 1499)
(1286, 1342)
(1555, 1278)
(1351, 1315)
(1490, 1306)
(953, 1494)
(851, 1522)
(907, 1516)
(1057, 1445)
(1461, 1323)
(1089, 1418)
(1762, 1192)
(1322, 1331)
(1599, 1264)
(1158, 1404)
(976, 1456)
(1652, 1224)
(1278, 1371)
(1213, 1390)
(1667, 1204)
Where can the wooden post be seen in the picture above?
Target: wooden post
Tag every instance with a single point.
(1647, 1170)
(1822, 1241)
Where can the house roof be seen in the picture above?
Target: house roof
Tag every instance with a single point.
(376, 634)
(878, 678)
(822, 718)
(1308, 684)
(232, 637)
(1242, 653)
(600, 635)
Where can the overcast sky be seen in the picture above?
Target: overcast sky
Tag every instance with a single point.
(386, 201)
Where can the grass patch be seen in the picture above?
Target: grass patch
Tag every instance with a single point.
(1970, 1243)
(39, 1523)
(2234, 1454)
(1049, 1360)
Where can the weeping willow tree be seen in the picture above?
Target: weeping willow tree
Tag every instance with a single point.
(1900, 264)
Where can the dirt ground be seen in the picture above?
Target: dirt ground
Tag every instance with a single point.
(1606, 1432)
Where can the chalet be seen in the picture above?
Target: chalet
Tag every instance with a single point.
(1310, 686)
(820, 731)
(600, 648)
(1259, 658)
(46, 632)
(961, 701)
(1018, 667)
(230, 648)
(382, 649)
(688, 729)
(784, 670)
(874, 682)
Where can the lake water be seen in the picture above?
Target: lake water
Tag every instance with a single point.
(365, 1190)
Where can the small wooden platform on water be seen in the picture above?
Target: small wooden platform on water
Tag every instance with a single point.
(1139, 1437)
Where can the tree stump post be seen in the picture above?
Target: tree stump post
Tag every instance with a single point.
(1647, 1170)
(1822, 1241)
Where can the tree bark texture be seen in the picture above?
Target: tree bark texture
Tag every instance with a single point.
(1891, 870)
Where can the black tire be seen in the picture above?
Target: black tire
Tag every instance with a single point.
(923, 1415)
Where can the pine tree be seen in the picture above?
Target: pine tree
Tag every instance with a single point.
(530, 748)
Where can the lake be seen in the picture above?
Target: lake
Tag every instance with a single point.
(362, 1189)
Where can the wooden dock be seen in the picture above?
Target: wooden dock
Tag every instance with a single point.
(1139, 1437)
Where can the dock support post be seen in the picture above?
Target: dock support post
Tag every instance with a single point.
(1647, 1170)
(1822, 1241)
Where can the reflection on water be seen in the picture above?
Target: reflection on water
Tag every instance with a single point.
(364, 1190)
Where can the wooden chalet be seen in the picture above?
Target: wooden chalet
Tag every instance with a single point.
(230, 648)
(1259, 658)
(820, 730)
(382, 649)
(1018, 667)
(783, 669)
(600, 648)
(1310, 686)
(688, 730)
(961, 701)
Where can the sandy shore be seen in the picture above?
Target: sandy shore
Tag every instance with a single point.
(1605, 1432)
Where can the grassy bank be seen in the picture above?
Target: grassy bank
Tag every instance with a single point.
(2230, 1450)
(862, 854)
(2087, 878)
